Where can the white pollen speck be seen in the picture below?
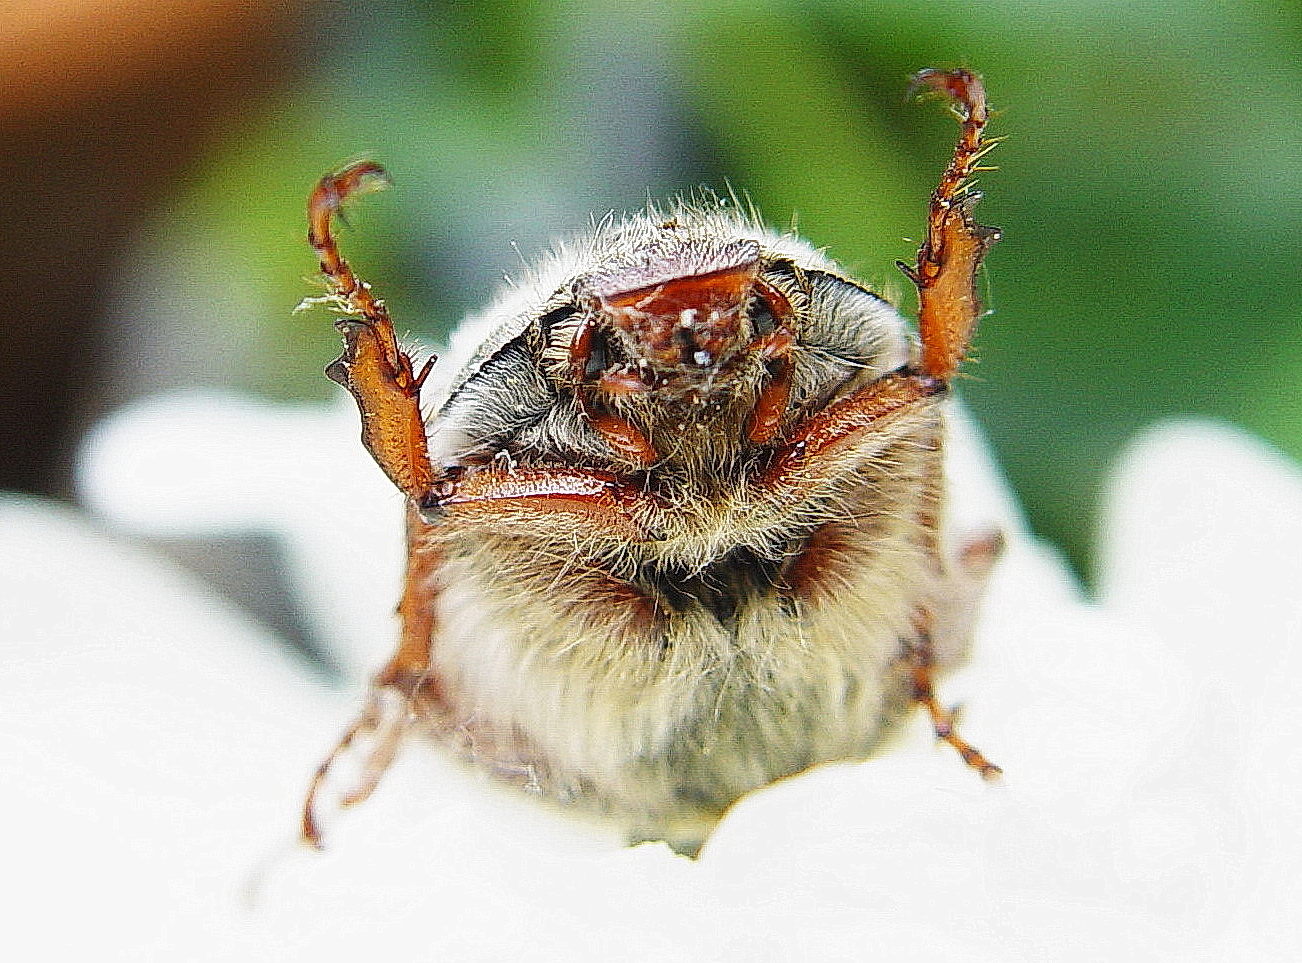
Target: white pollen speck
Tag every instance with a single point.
(702, 358)
(687, 317)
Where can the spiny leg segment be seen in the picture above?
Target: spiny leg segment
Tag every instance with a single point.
(945, 274)
(920, 660)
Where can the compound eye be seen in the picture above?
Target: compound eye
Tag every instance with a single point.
(762, 319)
(598, 358)
(769, 310)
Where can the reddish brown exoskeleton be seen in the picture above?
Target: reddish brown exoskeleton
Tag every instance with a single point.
(674, 522)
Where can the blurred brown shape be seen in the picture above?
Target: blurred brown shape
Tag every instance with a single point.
(103, 103)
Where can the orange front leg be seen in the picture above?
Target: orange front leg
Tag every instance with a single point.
(948, 306)
(946, 270)
(374, 367)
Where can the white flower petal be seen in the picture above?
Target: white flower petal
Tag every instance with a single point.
(154, 746)
(1204, 549)
(1203, 541)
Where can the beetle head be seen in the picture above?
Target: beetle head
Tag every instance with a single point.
(673, 314)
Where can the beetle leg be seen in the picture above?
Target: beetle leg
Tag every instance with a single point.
(374, 367)
(871, 419)
(920, 661)
(771, 405)
(820, 443)
(535, 500)
(620, 433)
(978, 554)
(400, 693)
(945, 274)
(376, 736)
(948, 304)
(382, 379)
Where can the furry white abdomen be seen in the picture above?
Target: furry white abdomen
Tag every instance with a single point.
(557, 674)
(676, 718)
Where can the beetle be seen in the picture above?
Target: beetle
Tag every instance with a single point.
(674, 520)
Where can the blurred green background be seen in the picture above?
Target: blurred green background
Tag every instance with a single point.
(1148, 190)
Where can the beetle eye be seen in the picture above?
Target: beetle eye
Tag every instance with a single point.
(761, 314)
(598, 358)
